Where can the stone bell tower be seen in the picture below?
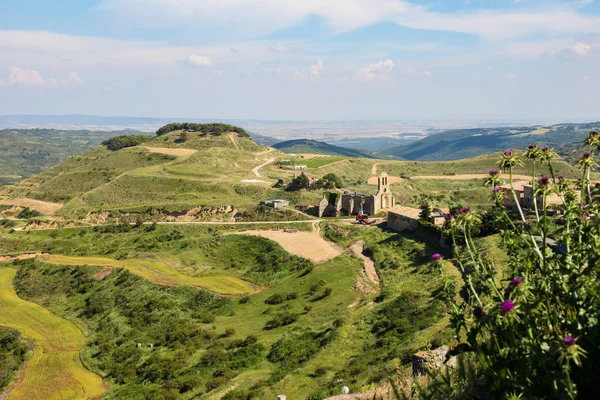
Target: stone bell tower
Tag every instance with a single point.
(384, 198)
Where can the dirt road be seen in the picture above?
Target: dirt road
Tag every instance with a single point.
(257, 169)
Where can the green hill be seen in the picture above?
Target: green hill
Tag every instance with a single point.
(308, 146)
(26, 152)
(466, 143)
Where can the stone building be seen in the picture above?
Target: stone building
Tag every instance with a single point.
(402, 218)
(526, 197)
(355, 203)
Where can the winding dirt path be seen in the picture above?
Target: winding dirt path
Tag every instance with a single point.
(55, 370)
(257, 168)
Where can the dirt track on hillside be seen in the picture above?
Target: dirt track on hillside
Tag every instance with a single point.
(309, 245)
(396, 179)
(45, 207)
(171, 152)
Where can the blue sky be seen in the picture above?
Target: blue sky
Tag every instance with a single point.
(302, 59)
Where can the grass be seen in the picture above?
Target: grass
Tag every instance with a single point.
(320, 161)
(161, 274)
(54, 370)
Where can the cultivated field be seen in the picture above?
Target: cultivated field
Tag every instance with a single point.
(171, 151)
(160, 273)
(54, 370)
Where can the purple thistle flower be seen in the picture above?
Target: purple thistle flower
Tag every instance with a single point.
(508, 153)
(532, 146)
(448, 217)
(436, 257)
(569, 340)
(493, 172)
(593, 133)
(561, 178)
(544, 181)
(496, 189)
(544, 149)
(584, 207)
(465, 209)
(517, 281)
(507, 306)
(478, 312)
(586, 154)
(585, 217)
(485, 254)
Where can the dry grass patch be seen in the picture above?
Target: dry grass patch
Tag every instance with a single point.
(171, 151)
(45, 207)
(55, 370)
(160, 273)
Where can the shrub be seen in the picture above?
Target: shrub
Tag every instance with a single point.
(28, 213)
(121, 142)
(282, 319)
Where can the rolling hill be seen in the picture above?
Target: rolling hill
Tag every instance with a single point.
(466, 143)
(299, 146)
(26, 152)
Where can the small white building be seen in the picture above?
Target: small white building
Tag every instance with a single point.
(277, 203)
(300, 167)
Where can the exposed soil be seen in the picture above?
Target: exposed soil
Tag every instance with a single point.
(309, 245)
(45, 207)
(466, 176)
(26, 256)
(368, 281)
(171, 152)
(257, 168)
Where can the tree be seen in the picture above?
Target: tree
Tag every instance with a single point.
(302, 181)
(425, 211)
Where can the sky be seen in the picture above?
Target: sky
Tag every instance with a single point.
(302, 59)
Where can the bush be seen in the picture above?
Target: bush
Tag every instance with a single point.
(121, 142)
(28, 213)
(282, 319)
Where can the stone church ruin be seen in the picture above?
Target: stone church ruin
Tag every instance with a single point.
(334, 205)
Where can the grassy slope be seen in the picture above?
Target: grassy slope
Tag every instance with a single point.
(26, 152)
(402, 262)
(54, 371)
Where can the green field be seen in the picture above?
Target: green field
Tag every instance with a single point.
(320, 161)
(54, 370)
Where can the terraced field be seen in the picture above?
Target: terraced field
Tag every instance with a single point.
(160, 273)
(55, 370)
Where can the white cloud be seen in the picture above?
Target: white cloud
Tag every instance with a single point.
(200, 61)
(25, 77)
(299, 75)
(372, 71)
(579, 49)
(75, 79)
(261, 17)
(280, 48)
(315, 70)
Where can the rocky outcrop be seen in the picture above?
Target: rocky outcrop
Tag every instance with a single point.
(196, 214)
(41, 225)
(432, 360)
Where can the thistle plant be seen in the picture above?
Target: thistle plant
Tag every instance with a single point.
(533, 331)
(533, 154)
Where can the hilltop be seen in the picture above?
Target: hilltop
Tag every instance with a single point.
(309, 146)
(466, 143)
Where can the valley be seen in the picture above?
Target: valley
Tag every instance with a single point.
(184, 283)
